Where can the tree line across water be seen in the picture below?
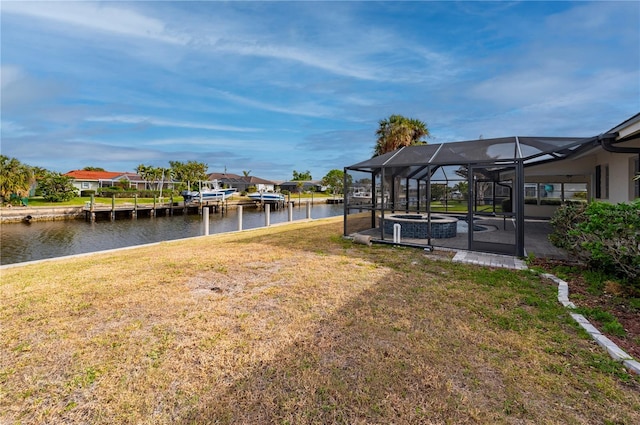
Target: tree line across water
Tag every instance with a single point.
(17, 179)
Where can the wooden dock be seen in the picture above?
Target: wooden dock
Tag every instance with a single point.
(94, 211)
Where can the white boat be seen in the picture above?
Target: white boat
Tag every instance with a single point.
(210, 192)
(362, 196)
(266, 197)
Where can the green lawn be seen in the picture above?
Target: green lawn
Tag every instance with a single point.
(294, 324)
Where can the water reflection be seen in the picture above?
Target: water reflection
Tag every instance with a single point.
(38, 240)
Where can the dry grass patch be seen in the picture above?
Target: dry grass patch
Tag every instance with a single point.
(292, 324)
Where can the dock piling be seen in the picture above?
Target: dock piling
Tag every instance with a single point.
(267, 215)
(205, 220)
(134, 213)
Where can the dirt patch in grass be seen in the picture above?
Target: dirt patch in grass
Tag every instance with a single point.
(294, 324)
(607, 297)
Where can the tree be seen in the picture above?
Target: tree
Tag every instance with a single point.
(335, 181)
(190, 172)
(463, 188)
(481, 186)
(15, 177)
(57, 187)
(305, 176)
(246, 173)
(93, 169)
(438, 191)
(398, 131)
(151, 175)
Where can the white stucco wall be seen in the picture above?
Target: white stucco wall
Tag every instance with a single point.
(620, 176)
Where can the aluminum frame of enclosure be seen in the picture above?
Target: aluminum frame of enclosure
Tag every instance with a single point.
(492, 158)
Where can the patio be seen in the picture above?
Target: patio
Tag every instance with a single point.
(498, 238)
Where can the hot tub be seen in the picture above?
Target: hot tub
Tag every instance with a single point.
(416, 226)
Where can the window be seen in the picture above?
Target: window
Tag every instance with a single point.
(554, 193)
(85, 185)
(574, 192)
(602, 182)
(606, 181)
(636, 174)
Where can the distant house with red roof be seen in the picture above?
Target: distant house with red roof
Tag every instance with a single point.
(95, 180)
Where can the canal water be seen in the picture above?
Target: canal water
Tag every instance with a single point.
(21, 242)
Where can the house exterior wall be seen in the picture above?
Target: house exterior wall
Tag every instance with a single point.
(85, 185)
(616, 174)
(618, 186)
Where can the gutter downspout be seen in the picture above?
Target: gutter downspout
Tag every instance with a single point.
(606, 144)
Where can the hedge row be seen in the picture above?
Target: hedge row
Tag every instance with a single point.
(605, 236)
(107, 193)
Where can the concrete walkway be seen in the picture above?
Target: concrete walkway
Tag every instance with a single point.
(489, 260)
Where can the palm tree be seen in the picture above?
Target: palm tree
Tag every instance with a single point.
(15, 177)
(398, 131)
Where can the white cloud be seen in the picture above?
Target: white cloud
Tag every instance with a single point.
(311, 56)
(97, 17)
(308, 109)
(9, 75)
(161, 122)
(12, 129)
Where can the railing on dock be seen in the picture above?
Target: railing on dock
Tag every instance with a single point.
(93, 209)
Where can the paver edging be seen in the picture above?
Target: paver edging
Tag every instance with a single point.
(614, 351)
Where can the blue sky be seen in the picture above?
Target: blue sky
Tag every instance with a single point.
(272, 87)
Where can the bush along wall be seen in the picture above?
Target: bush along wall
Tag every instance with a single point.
(133, 193)
(605, 236)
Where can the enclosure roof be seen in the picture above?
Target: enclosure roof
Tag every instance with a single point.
(495, 152)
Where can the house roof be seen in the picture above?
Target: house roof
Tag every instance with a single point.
(93, 175)
(628, 129)
(414, 160)
(234, 178)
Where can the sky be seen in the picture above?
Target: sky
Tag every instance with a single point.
(272, 87)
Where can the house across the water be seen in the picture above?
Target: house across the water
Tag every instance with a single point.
(95, 180)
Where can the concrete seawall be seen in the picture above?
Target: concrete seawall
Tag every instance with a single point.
(19, 214)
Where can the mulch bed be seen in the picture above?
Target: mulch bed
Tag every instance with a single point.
(628, 316)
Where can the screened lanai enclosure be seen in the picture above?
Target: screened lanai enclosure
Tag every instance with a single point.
(463, 195)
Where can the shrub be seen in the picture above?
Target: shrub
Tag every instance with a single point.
(87, 193)
(605, 236)
(506, 205)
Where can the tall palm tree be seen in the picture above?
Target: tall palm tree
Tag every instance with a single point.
(398, 131)
(150, 175)
(15, 177)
